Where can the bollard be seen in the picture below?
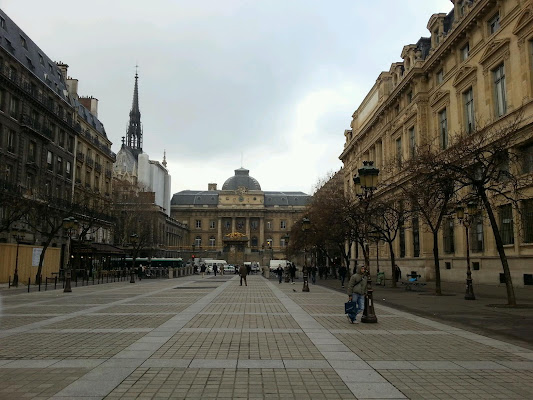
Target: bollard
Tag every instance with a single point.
(46, 284)
(55, 282)
(76, 278)
(93, 279)
(9, 283)
(29, 284)
(40, 284)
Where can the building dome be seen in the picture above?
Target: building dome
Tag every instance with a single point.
(241, 178)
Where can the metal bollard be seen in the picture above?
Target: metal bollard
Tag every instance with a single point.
(9, 283)
(40, 279)
(46, 284)
(29, 284)
(55, 282)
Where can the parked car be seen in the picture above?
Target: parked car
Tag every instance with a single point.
(256, 268)
(229, 269)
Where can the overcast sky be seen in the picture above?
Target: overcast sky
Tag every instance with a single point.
(271, 82)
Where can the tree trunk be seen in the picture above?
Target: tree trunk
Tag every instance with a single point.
(511, 299)
(392, 263)
(438, 290)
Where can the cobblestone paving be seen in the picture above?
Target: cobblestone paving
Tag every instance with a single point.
(210, 338)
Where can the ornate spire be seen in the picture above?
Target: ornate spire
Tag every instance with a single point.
(164, 158)
(134, 135)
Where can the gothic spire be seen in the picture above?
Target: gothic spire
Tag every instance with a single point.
(134, 135)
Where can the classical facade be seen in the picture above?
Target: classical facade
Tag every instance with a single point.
(241, 222)
(142, 189)
(476, 67)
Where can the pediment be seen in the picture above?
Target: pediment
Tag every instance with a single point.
(438, 96)
(463, 74)
(524, 20)
(494, 50)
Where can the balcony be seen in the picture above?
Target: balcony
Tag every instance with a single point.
(27, 122)
(108, 173)
(98, 167)
(89, 162)
(80, 156)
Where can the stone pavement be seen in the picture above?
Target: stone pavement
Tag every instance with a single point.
(194, 338)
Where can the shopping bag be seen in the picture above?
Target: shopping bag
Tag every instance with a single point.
(349, 307)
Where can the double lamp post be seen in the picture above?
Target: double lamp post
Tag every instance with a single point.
(466, 219)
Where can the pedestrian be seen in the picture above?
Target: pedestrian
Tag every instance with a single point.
(243, 271)
(293, 272)
(202, 270)
(342, 274)
(215, 269)
(248, 269)
(313, 274)
(397, 273)
(320, 272)
(357, 290)
(279, 272)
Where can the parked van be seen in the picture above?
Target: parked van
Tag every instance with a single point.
(210, 262)
(274, 264)
(254, 266)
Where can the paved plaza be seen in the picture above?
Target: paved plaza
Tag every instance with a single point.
(210, 338)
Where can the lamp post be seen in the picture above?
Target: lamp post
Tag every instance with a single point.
(134, 239)
(466, 220)
(365, 184)
(306, 224)
(18, 236)
(70, 224)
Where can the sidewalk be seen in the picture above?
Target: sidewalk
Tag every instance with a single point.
(511, 324)
(210, 338)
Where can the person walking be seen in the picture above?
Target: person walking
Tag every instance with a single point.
(397, 273)
(293, 272)
(313, 274)
(215, 269)
(243, 271)
(279, 272)
(357, 290)
(342, 274)
(202, 270)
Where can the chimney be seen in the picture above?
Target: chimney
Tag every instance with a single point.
(63, 68)
(211, 186)
(72, 86)
(91, 104)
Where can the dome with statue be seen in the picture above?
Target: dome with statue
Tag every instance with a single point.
(241, 178)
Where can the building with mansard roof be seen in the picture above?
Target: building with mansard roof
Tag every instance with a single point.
(261, 219)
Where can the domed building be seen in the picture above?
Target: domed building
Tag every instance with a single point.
(239, 223)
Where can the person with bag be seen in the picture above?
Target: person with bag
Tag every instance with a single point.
(357, 290)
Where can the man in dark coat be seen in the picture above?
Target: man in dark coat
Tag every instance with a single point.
(243, 271)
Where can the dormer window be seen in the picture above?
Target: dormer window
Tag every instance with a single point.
(465, 51)
(41, 60)
(409, 97)
(494, 23)
(23, 42)
(2, 23)
(436, 36)
(461, 7)
(440, 77)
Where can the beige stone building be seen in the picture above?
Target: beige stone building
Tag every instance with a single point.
(476, 66)
(240, 222)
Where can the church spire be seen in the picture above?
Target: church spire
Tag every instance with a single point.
(134, 135)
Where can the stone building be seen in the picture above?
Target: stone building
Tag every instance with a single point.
(477, 65)
(142, 188)
(240, 222)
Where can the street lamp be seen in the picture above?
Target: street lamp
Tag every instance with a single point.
(466, 220)
(306, 224)
(18, 236)
(70, 224)
(365, 184)
(134, 239)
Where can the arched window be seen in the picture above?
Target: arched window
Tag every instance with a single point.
(198, 241)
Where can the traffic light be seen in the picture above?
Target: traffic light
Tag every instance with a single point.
(193, 257)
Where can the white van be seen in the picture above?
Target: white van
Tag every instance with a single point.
(274, 264)
(210, 262)
(254, 266)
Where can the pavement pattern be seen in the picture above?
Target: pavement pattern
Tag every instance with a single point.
(210, 338)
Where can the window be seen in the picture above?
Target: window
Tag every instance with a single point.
(2, 23)
(476, 234)
(443, 129)
(282, 242)
(282, 224)
(254, 225)
(527, 220)
(402, 241)
(198, 241)
(68, 170)
(62, 138)
(14, 107)
(449, 242)
(500, 102)
(440, 77)
(506, 224)
(269, 224)
(49, 160)
(504, 172)
(465, 51)
(399, 152)
(198, 224)
(255, 241)
(212, 224)
(412, 142)
(2, 100)
(461, 8)
(409, 97)
(212, 241)
(70, 143)
(227, 225)
(41, 59)
(494, 23)
(31, 151)
(59, 165)
(416, 237)
(11, 141)
(436, 36)
(527, 158)
(23, 42)
(468, 97)
(30, 181)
